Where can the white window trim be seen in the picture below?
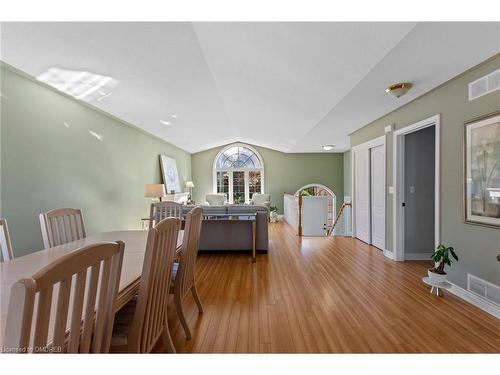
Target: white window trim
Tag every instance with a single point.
(231, 170)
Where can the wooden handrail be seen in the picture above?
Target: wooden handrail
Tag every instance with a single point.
(344, 205)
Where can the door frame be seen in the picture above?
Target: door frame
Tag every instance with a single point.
(398, 181)
(379, 141)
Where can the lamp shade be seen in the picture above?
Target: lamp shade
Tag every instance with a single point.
(154, 190)
(189, 184)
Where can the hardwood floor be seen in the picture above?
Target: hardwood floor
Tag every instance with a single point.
(325, 295)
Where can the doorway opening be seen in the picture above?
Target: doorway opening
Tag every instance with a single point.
(416, 190)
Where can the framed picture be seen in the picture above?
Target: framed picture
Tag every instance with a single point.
(482, 170)
(170, 175)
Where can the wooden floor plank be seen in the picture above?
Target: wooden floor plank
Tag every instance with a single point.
(325, 295)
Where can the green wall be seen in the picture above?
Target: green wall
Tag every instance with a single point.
(46, 164)
(283, 172)
(477, 246)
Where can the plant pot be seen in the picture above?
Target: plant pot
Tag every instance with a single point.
(436, 277)
(273, 216)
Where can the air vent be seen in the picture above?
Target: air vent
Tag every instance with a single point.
(484, 85)
(484, 289)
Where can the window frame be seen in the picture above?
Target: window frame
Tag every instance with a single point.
(232, 169)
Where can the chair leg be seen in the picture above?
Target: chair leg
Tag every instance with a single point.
(167, 341)
(196, 297)
(182, 317)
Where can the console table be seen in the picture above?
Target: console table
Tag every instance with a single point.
(239, 216)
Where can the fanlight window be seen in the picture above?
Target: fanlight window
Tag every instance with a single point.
(238, 157)
(238, 173)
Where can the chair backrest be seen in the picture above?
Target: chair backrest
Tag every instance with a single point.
(215, 199)
(150, 317)
(184, 278)
(61, 226)
(261, 199)
(88, 333)
(162, 210)
(5, 245)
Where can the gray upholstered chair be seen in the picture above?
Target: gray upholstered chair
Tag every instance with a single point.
(261, 200)
(215, 199)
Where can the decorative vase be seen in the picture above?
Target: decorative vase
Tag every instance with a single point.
(436, 277)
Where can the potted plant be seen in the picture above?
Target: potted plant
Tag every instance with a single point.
(441, 258)
(273, 214)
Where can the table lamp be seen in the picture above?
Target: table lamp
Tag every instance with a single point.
(190, 186)
(154, 191)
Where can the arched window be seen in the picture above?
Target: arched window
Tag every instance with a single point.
(238, 173)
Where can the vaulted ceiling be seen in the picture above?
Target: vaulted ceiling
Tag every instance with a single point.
(292, 87)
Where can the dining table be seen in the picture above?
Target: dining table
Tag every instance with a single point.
(27, 265)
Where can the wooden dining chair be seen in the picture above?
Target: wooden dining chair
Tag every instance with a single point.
(162, 210)
(94, 296)
(5, 245)
(184, 271)
(141, 323)
(61, 226)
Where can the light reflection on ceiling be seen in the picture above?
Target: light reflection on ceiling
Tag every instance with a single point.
(79, 84)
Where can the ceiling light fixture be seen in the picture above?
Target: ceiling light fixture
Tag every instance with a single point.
(398, 89)
(327, 147)
(174, 116)
(165, 122)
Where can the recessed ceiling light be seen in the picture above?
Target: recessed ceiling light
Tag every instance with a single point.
(327, 147)
(165, 122)
(398, 89)
(174, 116)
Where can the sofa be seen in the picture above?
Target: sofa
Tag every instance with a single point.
(235, 232)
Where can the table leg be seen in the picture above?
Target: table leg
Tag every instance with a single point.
(254, 235)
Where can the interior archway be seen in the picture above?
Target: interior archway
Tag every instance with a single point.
(315, 189)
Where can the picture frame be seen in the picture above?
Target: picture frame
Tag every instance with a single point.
(482, 170)
(170, 174)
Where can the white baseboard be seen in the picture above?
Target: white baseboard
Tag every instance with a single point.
(389, 254)
(478, 301)
(418, 256)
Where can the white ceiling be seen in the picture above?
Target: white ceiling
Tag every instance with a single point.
(288, 86)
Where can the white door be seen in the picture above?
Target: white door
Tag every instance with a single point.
(314, 216)
(362, 194)
(377, 159)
